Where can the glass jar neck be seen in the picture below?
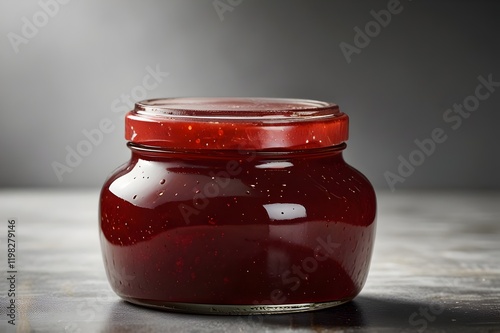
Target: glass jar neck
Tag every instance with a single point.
(154, 152)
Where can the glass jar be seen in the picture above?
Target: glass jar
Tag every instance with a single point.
(237, 206)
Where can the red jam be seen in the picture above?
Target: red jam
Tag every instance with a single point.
(237, 206)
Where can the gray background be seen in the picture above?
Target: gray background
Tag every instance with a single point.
(395, 90)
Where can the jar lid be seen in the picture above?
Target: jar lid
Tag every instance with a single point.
(236, 123)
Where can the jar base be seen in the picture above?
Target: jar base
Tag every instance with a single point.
(222, 309)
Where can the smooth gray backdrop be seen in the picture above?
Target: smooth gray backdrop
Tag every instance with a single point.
(65, 65)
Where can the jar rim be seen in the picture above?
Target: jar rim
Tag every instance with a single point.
(230, 123)
(242, 109)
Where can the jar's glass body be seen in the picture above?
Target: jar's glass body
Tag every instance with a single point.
(237, 231)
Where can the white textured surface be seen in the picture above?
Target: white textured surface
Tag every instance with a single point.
(434, 252)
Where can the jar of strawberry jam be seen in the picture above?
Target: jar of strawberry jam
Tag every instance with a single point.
(237, 206)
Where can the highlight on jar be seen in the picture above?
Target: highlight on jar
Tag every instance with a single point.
(237, 206)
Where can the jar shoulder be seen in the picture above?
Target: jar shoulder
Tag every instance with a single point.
(194, 188)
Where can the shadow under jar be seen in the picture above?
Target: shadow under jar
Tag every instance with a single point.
(237, 206)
